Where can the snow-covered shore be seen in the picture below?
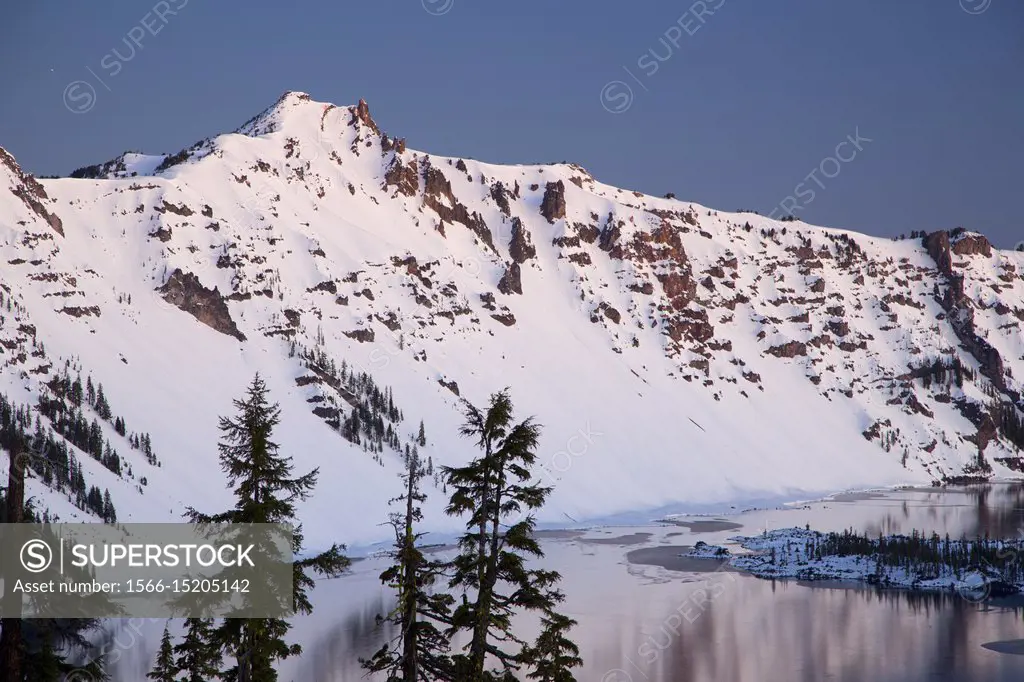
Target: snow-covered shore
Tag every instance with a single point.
(794, 553)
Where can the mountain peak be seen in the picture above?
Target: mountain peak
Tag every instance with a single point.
(308, 241)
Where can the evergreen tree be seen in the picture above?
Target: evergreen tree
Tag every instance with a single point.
(12, 641)
(491, 566)
(76, 392)
(198, 655)
(102, 406)
(553, 656)
(265, 492)
(46, 665)
(421, 440)
(420, 650)
(164, 669)
(109, 513)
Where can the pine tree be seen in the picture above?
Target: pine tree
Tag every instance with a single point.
(102, 406)
(76, 392)
(45, 665)
(12, 641)
(198, 655)
(421, 440)
(420, 650)
(553, 656)
(265, 492)
(491, 565)
(109, 513)
(164, 669)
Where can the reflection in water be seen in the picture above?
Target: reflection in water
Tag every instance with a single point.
(333, 656)
(645, 623)
(994, 509)
(762, 632)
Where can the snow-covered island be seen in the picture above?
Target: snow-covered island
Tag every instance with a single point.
(975, 568)
(703, 550)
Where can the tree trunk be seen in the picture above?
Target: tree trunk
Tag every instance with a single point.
(11, 644)
(245, 659)
(478, 646)
(410, 666)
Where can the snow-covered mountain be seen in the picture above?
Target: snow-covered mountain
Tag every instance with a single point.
(677, 356)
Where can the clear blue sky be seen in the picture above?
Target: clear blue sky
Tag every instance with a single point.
(747, 102)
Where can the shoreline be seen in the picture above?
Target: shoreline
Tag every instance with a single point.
(676, 514)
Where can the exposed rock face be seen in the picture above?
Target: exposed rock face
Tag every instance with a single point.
(678, 287)
(520, 247)
(581, 258)
(436, 188)
(184, 290)
(361, 335)
(450, 385)
(500, 195)
(28, 189)
(511, 281)
(789, 350)
(327, 285)
(552, 206)
(840, 328)
(396, 144)
(608, 238)
(168, 207)
(507, 319)
(981, 419)
(970, 244)
(80, 311)
(937, 245)
(362, 113)
(960, 307)
(691, 325)
(406, 178)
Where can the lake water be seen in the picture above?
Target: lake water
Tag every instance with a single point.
(646, 616)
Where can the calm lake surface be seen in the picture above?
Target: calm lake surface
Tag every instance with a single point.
(647, 616)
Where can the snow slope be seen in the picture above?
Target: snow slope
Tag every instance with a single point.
(676, 355)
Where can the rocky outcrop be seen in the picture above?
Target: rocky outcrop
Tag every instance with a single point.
(964, 243)
(520, 247)
(31, 193)
(184, 290)
(552, 206)
(437, 194)
(361, 335)
(937, 246)
(501, 196)
(452, 386)
(395, 144)
(959, 306)
(81, 311)
(405, 178)
(609, 236)
(642, 288)
(679, 287)
(327, 285)
(507, 319)
(511, 282)
(168, 207)
(361, 113)
(691, 325)
(788, 350)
